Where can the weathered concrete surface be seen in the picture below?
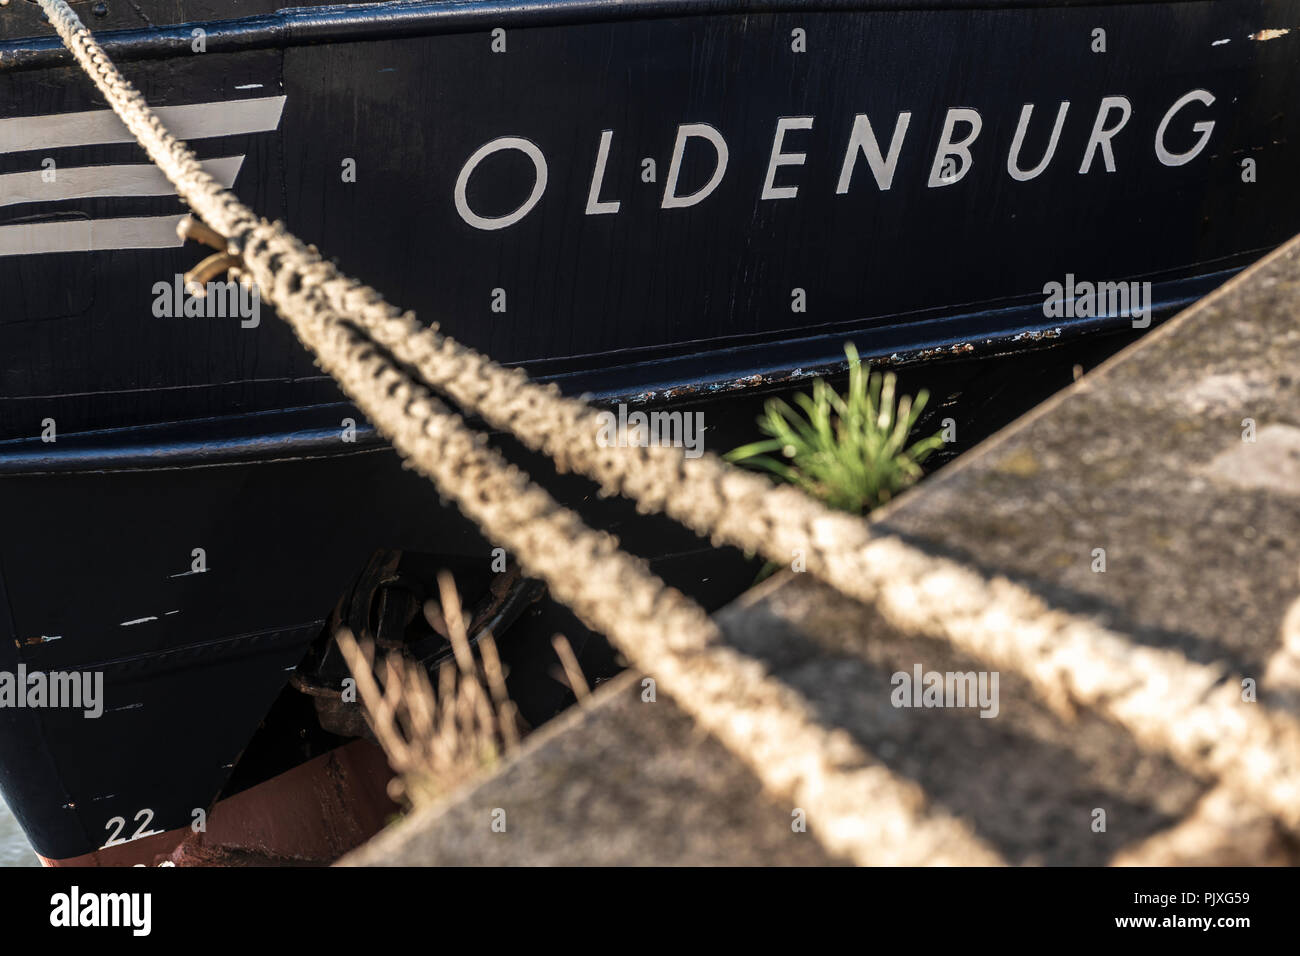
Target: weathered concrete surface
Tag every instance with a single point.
(1146, 459)
(622, 782)
(1150, 459)
(1030, 781)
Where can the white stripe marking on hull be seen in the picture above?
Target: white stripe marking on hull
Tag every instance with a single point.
(89, 235)
(192, 121)
(87, 182)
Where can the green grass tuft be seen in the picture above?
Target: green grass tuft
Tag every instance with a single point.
(850, 451)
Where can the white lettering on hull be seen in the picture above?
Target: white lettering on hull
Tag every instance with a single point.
(957, 153)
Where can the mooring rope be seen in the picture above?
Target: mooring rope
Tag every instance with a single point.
(1189, 710)
(856, 807)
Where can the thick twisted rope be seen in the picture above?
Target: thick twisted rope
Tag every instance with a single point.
(857, 808)
(1166, 701)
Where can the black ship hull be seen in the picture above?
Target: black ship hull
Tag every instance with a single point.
(648, 202)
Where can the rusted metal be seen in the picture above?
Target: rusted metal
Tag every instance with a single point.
(339, 800)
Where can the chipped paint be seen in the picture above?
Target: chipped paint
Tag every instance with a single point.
(43, 639)
(778, 377)
(1039, 335)
(1220, 42)
(1265, 35)
(139, 620)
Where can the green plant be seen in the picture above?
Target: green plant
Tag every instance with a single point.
(849, 451)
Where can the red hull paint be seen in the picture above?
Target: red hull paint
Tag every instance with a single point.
(308, 816)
